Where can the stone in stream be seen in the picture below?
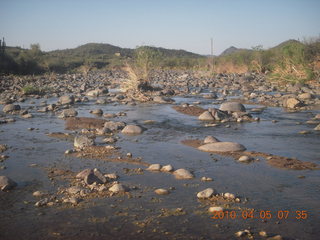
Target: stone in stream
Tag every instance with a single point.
(206, 179)
(210, 139)
(167, 168)
(154, 167)
(83, 141)
(206, 116)
(97, 111)
(6, 183)
(222, 147)
(38, 194)
(111, 176)
(66, 99)
(118, 187)
(244, 159)
(317, 128)
(9, 108)
(205, 193)
(161, 191)
(84, 173)
(229, 196)
(3, 148)
(305, 96)
(183, 174)
(160, 99)
(232, 107)
(114, 126)
(292, 103)
(132, 130)
(215, 209)
(68, 113)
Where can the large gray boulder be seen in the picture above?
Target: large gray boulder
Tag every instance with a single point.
(68, 113)
(205, 193)
(222, 147)
(232, 107)
(83, 141)
(114, 126)
(6, 183)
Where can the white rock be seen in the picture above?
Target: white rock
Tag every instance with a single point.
(167, 168)
(118, 187)
(229, 195)
(183, 174)
(132, 129)
(215, 209)
(244, 159)
(205, 193)
(154, 167)
(161, 191)
(222, 147)
(206, 116)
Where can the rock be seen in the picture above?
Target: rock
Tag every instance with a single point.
(38, 194)
(244, 159)
(292, 103)
(82, 142)
(114, 126)
(229, 195)
(317, 128)
(109, 115)
(66, 99)
(161, 191)
(111, 176)
(154, 167)
(160, 99)
(167, 168)
(222, 147)
(42, 202)
(132, 130)
(205, 193)
(68, 113)
(6, 183)
(206, 116)
(210, 96)
(210, 139)
(109, 140)
(215, 209)
(206, 179)
(95, 177)
(97, 111)
(11, 108)
(118, 187)
(28, 115)
(74, 190)
(96, 92)
(305, 96)
(3, 148)
(84, 173)
(72, 200)
(183, 174)
(232, 107)
(263, 234)
(277, 237)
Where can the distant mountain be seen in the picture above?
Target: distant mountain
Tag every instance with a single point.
(108, 50)
(232, 50)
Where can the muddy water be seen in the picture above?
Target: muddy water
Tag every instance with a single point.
(146, 215)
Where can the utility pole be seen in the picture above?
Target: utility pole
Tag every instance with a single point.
(212, 60)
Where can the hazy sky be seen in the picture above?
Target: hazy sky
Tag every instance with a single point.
(176, 24)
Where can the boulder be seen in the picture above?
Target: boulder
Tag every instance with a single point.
(183, 174)
(6, 183)
(222, 147)
(167, 168)
(160, 99)
(206, 116)
(161, 191)
(84, 173)
(114, 126)
(95, 177)
(317, 128)
(305, 96)
(83, 141)
(232, 107)
(132, 130)
(11, 108)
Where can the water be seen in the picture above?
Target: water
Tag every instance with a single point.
(118, 217)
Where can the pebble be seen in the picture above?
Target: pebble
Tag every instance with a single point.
(244, 159)
(38, 194)
(161, 191)
(206, 179)
(215, 209)
(229, 195)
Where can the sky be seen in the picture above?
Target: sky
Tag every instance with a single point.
(173, 24)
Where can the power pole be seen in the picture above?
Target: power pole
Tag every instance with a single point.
(212, 60)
